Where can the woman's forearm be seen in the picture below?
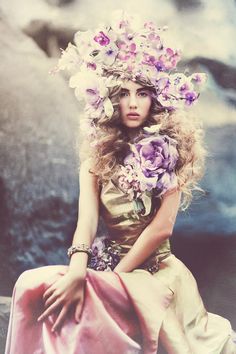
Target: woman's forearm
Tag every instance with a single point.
(79, 260)
(159, 229)
(146, 243)
(87, 218)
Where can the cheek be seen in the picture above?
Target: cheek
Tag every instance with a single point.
(122, 106)
(122, 111)
(147, 105)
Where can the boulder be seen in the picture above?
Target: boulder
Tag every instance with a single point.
(59, 2)
(214, 213)
(39, 165)
(223, 74)
(5, 305)
(183, 5)
(49, 37)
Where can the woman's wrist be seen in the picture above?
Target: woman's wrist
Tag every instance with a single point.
(78, 264)
(82, 247)
(77, 275)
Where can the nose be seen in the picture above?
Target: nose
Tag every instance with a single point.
(133, 101)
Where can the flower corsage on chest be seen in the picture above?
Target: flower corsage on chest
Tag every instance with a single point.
(149, 167)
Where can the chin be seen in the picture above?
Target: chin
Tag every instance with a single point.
(133, 124)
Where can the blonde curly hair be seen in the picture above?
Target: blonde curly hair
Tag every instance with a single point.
(112, 142)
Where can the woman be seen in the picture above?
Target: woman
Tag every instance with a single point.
(124, 292)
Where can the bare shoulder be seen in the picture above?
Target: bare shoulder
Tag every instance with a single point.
(175, 191)
(171, 199)
(87, 171)
(89, 192)
(87, 165)
(88, 179)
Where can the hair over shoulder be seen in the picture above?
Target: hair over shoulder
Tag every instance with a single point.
(111, 144)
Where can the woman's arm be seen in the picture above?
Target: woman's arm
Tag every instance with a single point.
(159, 229)
(69, 289)
(87, 218)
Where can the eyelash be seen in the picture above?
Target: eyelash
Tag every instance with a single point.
(142, 94)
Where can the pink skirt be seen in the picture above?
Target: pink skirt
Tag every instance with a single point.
(121, 314)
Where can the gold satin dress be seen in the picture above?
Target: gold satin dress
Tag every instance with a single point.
(187, 326)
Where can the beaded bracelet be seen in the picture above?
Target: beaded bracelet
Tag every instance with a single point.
(79, 248)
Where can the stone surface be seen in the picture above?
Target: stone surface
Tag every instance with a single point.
(205, 30)
(59, 2)
(224, 75)
(39, 177)
(5, 305)
(183, 5)
(49, 37)
(214, 213)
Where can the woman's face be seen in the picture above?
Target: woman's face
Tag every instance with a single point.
(135, 103)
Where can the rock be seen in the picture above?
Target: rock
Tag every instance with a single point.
(224, 75)
(5, 304)
(59, 2)
(38, 176)
(183, 5)
(214, 214)
(49, 38)
(205, 235)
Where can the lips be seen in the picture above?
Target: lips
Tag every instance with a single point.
(133, 114)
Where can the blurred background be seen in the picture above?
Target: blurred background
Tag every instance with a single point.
(38, 128)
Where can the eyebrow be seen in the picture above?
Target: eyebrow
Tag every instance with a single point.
(139, 89)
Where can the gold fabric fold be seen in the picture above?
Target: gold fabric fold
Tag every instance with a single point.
(187, 327)
(123, 219)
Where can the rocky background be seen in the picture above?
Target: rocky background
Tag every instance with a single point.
(38, 127)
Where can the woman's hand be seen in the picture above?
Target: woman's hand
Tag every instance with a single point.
(63, 294)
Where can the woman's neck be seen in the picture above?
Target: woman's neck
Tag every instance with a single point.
(132, 133)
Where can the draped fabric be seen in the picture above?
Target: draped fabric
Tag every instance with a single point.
(128, 313)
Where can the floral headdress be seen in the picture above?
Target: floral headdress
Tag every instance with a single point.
(133, 50)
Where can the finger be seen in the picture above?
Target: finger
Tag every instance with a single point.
(51, 299)
(49, 310)
(60, 318)
(48, 292)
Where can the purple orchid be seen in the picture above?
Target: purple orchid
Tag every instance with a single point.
(102, 39)
(190, 97)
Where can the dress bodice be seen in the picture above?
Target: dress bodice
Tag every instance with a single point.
(125, 219)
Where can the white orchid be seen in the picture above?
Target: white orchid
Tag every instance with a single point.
(112, 81)
(108, 108)
(90, 87)
(70, 59)
(107, 54)
(155, 128)
(85, 43)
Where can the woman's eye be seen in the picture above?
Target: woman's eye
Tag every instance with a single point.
(143, 94)
(123, 94)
